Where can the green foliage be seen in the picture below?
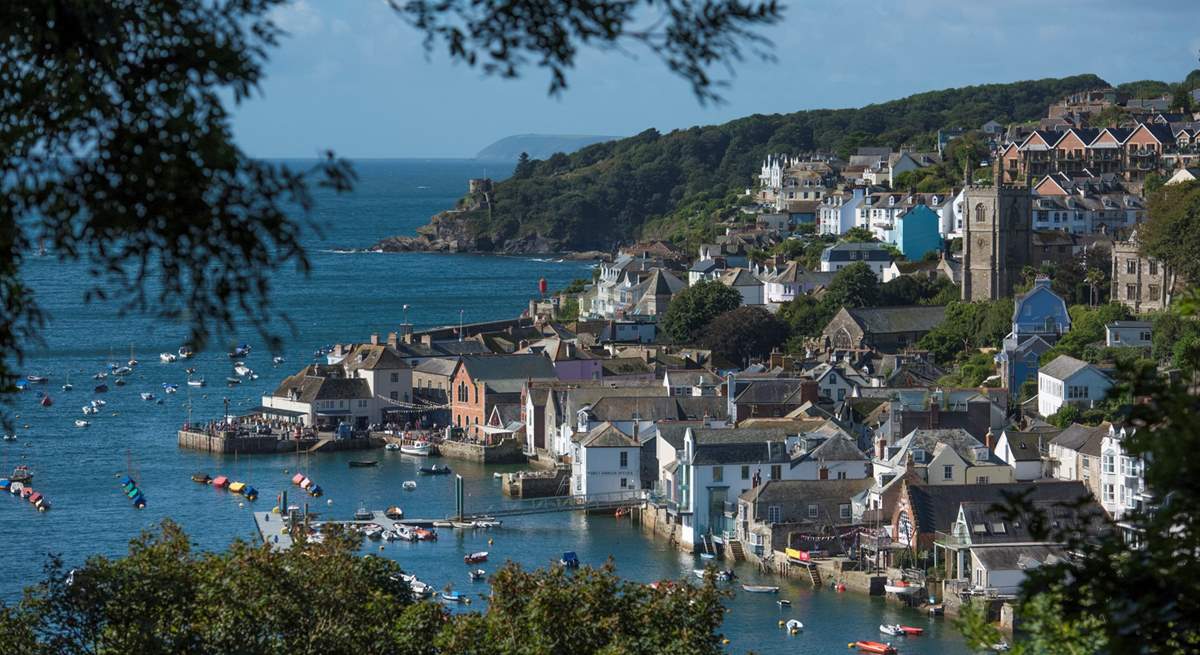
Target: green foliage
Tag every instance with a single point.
(1108, 117)
(1144, 89)
(1172, 232)
(1152, 183)
(1065, 416)
(1087, 328)
(692, 309)
(165, 598)
(971, 373)
(1029, 389)
(859, 234)
(805, 316)
(744, 333)
(578, 285)
(963, 153)
(569, 309)
(854, 286)
(918, 290)
(677, 184)
(969, 326)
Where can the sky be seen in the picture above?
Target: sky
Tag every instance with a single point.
(351, 76)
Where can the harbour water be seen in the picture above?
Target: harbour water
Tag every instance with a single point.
(347, 296)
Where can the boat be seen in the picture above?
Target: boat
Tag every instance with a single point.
(436, 469)
(239, 352)
(453, 597)
(10, 437)
(196, 383)
(146, 395)
(419, 589)
(936, 610)
(185, 352)
(476, 558)
(707, 556)
(392, 446)
(373, 531)
(101, 388)
(100, 376)
(122, 370)
(201, 478)
(80, 423)
(232, 381)
(760, 589)
(899, 587)
(363, 514)
(403, 532)
(315, 490)
(793, 626)
(498, 475)
(721, 576)
(277, 360)
(242, 370)
(358, 464)
(419, 448)
(424, 534)
(485, 523)
(394, 513)
(22, 474)
(46, 401)
(168, 358)
(874, 647)
(237, 487)
(68, 386)
(120, 382)
(783, 602)
(477, 574)
(409, 485)
(912, 631)
(569, 560)
(37, 379)
(15, 488)
(90, 409)
(250, 493)
(220, 482)
(892, 629)
(443, 524)
(131, 490)
(462, 525)
(170, 388)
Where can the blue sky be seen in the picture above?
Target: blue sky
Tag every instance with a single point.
(353, 77)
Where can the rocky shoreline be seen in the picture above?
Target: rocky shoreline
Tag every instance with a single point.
(449, 232)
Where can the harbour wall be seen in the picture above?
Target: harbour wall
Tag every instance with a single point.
(508, 451)
(228, 442)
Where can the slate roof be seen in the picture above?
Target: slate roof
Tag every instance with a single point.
(693, 377)
(1130, 324)
(1011, 558)
(840, 252)
(1083, 439)
(928, 440)
(988, 526)
(1063, 367)
(437, 366)
(890, 320)
(838, 448)
(1026, 446)
(625, 366)
(736, 445)
(607, 435)
(374, 357)
(739, 277)
(794, 492)
(703, 266)
(771, 391)
(508, 367)
(936, 506)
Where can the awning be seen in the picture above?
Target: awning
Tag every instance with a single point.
(488, 429)
(262, 409)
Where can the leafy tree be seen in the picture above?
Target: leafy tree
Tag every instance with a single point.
(854, 286)
(524, 167)
(692, 309)
(1172, 231)
(1087, 328)
(917, 290)
(805, 316)
(1065, 416)
(971, 373)
(1152, 183)
(969, 326)
(744, 333)
(859, 234)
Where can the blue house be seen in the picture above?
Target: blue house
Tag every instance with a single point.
(917, 232)
(1039, 318)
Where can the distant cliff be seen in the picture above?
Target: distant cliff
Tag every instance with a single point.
(539, 146)
(675, 185)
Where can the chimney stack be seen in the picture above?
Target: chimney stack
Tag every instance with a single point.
(393, 339)
(375, 339)
(881, 448)
(989, 440)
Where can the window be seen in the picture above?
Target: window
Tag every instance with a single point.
(1109, 465)
(745, 472)
(812, 510)
(983, 479)
(718, 473)
(1153, 267)
(844, 511)
(395, 395)
(773, 514)
(1127, 496)
(1109, 493)
(624, 459)
(624, 483)
(948, 472)
(1131, 266)
(395, 377)
(776, 471)
(841, 475)
(1153, 292)
(979, 213)
(362, 404)
(1130, 291)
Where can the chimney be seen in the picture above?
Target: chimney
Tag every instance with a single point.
(989, 439)
(881, 445)
(375, 339)
(935, 409)
(393, 339)
(427, 339)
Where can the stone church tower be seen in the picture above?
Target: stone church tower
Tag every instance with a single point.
(997, 224)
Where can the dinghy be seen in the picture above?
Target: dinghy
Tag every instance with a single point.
(783, 602)
(196, 383)
(434, 470)
(167, 358)
(146, 395)
(892, 629)
(793, 626)
(874, 647)
(477, 574)
(476, 558)
(80, 423)
(760, 589)
(409, 485)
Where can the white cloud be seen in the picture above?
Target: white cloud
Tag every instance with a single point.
(297, 18)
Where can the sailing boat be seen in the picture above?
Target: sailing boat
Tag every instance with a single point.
(67, 386)
(132, 360)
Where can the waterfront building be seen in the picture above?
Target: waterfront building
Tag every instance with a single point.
(605, 460)
(805, 515)
(571, 362)
(1067, 380)
(885, 329)
(322, 397)
(940, 457)
(479, 382)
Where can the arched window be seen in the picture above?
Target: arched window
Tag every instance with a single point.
(979, 213)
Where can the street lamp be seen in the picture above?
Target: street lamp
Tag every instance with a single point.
(460, 324)
(227, 411)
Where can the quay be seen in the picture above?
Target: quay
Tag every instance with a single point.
(243, 440)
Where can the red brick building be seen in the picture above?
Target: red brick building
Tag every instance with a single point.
(480, 382)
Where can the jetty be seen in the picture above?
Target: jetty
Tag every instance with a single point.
(238, 439)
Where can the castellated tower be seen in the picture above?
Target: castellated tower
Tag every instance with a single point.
(997, 222)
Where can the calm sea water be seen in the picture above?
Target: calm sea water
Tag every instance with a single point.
(347, 296)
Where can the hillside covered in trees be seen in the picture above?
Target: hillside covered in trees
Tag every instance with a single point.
(675, 185)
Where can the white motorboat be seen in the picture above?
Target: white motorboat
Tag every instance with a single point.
(900, 587)
(403, 532)
(10, 437)
(199, 382)
(793, 626)
(68, 386)
(760, 589)
(419, 589)
(392, 446)
(485, 523)
(721, 576)
(418, 448)
(892, 629)
(373, 531)
(168, 358)
(97, 403)
(36, 379)
(242, 370)
(122, 370)
(89, 410)
(146, 395)
(170, 388)
(185, 352)
(100, 376)
(80, 423)
(477, 574)
(409, 485)
(277, 359)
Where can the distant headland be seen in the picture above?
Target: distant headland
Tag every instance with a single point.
(538, 146)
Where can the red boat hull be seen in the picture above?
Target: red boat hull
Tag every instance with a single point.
(910, 630)
(875, 647)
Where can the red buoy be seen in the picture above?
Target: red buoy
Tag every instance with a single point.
(542, 286)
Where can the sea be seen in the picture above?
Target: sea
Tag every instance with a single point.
(348, 295)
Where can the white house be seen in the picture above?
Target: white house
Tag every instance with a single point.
(1122, 476)
(1023, 451)
(840, 255)
(837, 212)
(1069, 380)
(744, 282)
(691, 382)
(1002, 568)
(1128, 334)
(833, 383)
(605, 460)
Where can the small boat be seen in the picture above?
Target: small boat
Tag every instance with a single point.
(358, 464)
(793, 626)
(277, 360)
(185, 352)
(68, 386)
(88, 409)
(436, 469)
(97, 403)
(122, 370)
(721, 576)
(419, 589)
(498, 475)
(146, 395)
(250, 493)
(403, 532)
(394, 513)
(37, 379)
(170, 388)
(373, 531)
(315, 490)
(21, 474)
(168, 358)
(423, 534)
(15, 488)
(239, 352)
(10, 437)
(46, 401)
(485, 523)
(476, 558)
(392, 446)
(196, 383)
(443, 524)
(477, 574)
(132, 492)
(783, 602)
(874, 647)
(120, 382)
(936, 610)
(892, 629)
(707, 556)
(233, 381)
(201, 478)
(101, 388)
(899, 587)
(409, 485)
(100, 376)
(462, 525)
(760, 589)
(453, 597)
(191, 370)
(569, 560)
(912, 631)
(237, 487)
(418, 449)
(363, 514)
(242, 370)
(80, 423)
(220, 482)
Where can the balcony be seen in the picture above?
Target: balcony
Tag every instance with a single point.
(950, 540)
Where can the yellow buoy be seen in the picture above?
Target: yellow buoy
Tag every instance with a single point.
(725, 641)
(489, 541)
(781, 623)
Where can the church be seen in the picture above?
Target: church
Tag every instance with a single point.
(997, 224)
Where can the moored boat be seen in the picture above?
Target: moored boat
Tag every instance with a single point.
(476, 558)
(185, 352)
(146, 395)
(220, 482)
(418, 448)
(485, 523)
(569, 560)
(239, 352)
(167, 358)
(46, 401)
(373, 531)
(201, 478)
(793, 626)
(392, 446)
(453, 597)
(37, 379)
(912, 631)
(358, 464)
(237, 487)
(101, 388)
(409, 485)
(22, 473)
(900, 587)
(760, 589)
(436, 469)
(199, 382)
(892, 629)
(233, 381)
(403, 532)
(170, 388)
(424, 534)
(874, 647)
(363, 514)
(477, 574)
(80, 423)
(133, 492)
(10, 437)
(783, 602)
(394, 513)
